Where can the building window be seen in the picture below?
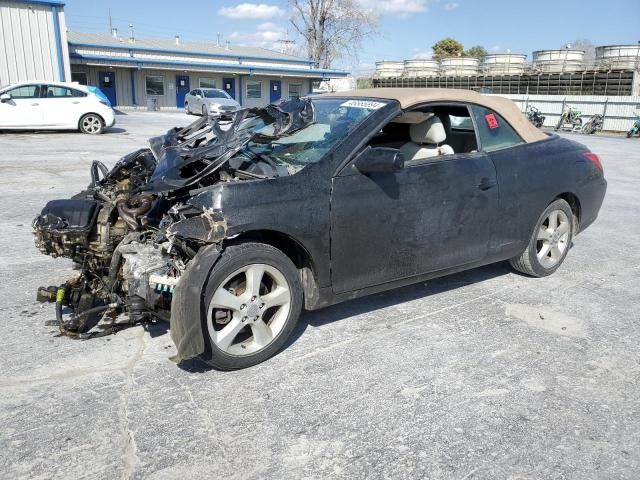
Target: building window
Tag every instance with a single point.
(254, 89)
(295, 90)
(207, 83)
(155, 85)
(79, 77)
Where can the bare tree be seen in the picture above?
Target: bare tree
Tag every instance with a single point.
(586, 45)
(332, 29)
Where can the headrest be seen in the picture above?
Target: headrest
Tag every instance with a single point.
(430, 131)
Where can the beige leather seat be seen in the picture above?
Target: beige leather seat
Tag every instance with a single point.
(426, 141)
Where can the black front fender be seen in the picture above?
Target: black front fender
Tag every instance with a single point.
(188, 322)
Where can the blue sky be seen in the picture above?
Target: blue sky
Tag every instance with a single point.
(407, 28)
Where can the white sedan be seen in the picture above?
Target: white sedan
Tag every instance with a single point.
(53, 106)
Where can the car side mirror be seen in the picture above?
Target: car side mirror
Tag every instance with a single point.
(198, 96)
(379, 160)
(5, 97)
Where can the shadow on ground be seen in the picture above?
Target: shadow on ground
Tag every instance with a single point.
(370, 303)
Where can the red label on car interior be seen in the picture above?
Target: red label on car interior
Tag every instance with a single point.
(492, 121)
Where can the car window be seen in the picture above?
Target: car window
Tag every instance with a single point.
(25, 91)
(461, 123)
(50, 91)
(427, 134)
(493, 130)
(215, 94)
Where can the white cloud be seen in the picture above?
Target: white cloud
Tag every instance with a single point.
(397, 7)
(252, 11)
(264, 27)
(451, 6)
(423, 55)
(496, 48)
(266, 35)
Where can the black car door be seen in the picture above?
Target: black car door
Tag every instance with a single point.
(423, 218)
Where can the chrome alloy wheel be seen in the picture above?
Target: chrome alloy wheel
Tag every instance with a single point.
(249, 309)
(553, 239)
(91, 124)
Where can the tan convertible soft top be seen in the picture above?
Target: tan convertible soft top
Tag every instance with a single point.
(411, 97)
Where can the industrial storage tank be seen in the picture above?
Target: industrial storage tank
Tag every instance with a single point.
(389, 69)
(619, 57)
(421, 68)
(459, 66)
(558, 61)
(504, 64)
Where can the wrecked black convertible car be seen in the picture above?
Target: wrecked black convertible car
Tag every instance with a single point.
(229, 228)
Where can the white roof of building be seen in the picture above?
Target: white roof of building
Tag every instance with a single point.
(169, 45)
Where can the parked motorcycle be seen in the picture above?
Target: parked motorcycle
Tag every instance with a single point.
(535, 117)
(635, 130)
(594, 124)
(570, 119)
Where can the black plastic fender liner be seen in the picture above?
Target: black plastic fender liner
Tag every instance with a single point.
(187, 306)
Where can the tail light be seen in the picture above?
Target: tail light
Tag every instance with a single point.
(593, 158)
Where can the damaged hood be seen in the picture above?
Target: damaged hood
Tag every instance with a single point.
(186, 155)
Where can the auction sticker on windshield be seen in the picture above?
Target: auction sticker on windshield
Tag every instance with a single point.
(366, 104)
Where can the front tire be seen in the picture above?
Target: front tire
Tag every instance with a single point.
(204, 110)
(549, 243)
(186, 108)
(252, 300)
(91, 124)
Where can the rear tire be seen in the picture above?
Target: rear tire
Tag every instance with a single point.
(253, 299)
(91, 124)
(204, 110)
(186, 108)
(549, 242)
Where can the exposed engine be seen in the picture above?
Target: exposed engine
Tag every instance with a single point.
(122, 231)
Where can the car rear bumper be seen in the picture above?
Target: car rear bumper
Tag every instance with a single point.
(591, 197)
(109, 118)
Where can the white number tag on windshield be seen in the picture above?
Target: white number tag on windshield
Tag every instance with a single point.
(366, 104)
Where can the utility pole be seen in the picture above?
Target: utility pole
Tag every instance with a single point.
(110, 23)
(285, 42)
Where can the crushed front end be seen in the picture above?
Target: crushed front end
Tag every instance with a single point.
(132, 232)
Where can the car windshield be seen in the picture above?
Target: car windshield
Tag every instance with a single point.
(291, 134)
(334, 119)
(215, 94)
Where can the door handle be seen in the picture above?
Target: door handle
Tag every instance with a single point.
(35, 104)
(75, 103)
(486, 184)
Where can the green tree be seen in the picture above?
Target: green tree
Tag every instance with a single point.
(476, 52)
(447, 47)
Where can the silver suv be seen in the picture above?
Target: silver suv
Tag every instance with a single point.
(209, 101)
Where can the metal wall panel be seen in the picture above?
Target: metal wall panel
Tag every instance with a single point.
(28, 43)
(619, 112)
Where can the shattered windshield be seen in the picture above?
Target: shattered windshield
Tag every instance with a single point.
(287, 136)
(333, 120)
